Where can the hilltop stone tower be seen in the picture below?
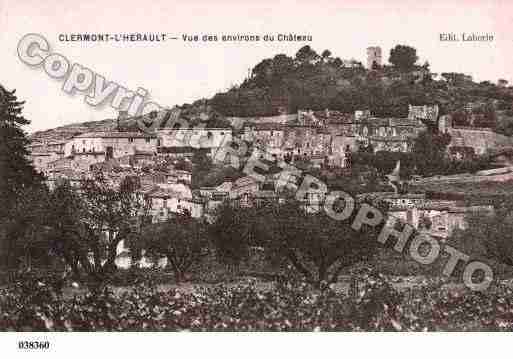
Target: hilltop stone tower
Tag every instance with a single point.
(373, 56)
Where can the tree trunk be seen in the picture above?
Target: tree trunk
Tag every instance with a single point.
(176, 270)
(110, 264)
(323, 273)
(178, 277)
(299, 267)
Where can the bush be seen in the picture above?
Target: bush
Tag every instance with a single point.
(289, 306)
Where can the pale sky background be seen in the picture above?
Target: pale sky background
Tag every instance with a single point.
(175, 72)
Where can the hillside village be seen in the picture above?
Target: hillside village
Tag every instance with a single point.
(233, 166)
(316, 179)
(167, 160)
(164, 160)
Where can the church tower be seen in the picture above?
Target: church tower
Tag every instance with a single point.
(373, 57)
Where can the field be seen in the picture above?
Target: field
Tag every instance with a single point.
(375, 303)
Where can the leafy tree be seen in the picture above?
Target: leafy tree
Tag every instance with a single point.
(201, 161)
(460, 119)
(215, 176)
(282, 66)
(326, 54)
(306, 56)
(110, 215)
(230, 233)
(488, 236)
(429, 152)
(29, 240)
(181, 239)
(88, 225)
(17, 175)
(403, 57)
(385, 161)
(489, 118)
(338, 62)
(317, 247)
(64, 210)
(182, 164)
(263, 71)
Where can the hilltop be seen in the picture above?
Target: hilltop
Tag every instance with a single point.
(312, 81)
(285, 84)
(199, 111)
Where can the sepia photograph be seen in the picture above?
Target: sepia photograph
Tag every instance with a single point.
(254, 167)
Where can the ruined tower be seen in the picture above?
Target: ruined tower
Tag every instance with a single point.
(373, 56)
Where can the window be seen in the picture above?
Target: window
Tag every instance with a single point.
(147, 140)
(130, 140)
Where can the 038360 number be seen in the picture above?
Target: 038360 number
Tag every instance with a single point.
(34, 345)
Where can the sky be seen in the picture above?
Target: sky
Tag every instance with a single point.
(177, 72)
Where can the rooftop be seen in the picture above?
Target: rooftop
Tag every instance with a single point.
(115, 134)
(266, 126)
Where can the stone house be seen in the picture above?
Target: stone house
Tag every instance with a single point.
(62, 165)
(267, 136)
(244, 186)
(427, 113)
(112, 144)
(305, 141)
(341, 148)
(86, 159)
(41, 160)
(164, 202)
(438, 219)
(196, 138)
(389, 134)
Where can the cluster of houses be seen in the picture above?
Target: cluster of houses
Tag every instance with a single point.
(330, 136)
(161, 160)
(438, 217)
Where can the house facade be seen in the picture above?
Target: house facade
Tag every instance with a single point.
(112, 144)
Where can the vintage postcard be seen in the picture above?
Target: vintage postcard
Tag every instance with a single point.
(268, 166)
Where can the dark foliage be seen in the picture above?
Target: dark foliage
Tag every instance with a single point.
(35, 305)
